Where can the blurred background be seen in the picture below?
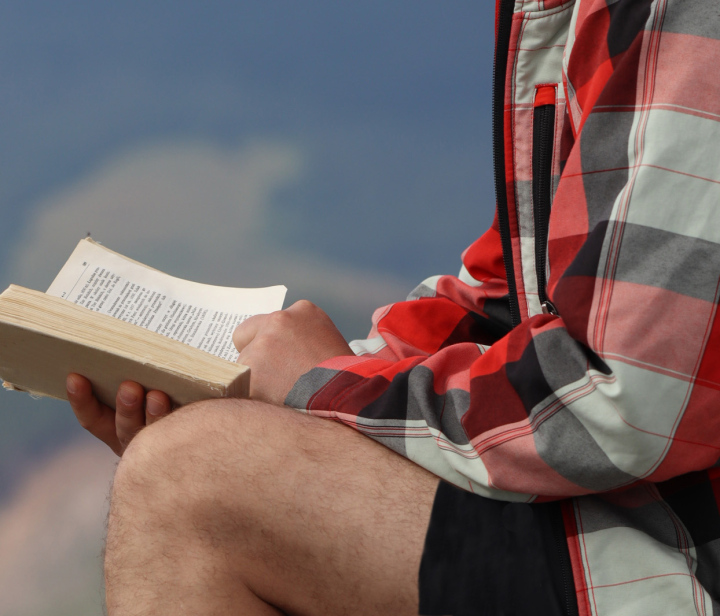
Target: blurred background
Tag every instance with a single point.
(341, 149)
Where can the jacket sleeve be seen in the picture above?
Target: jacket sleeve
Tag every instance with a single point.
(446, 310)
(624, 384)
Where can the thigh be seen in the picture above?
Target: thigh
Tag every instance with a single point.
(314, 517)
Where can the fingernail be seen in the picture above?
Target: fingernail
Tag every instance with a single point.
(154, 407)
(127, 396)
(70, 384)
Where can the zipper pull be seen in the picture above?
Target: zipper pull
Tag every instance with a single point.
(549, 308)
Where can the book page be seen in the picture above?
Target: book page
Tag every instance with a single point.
(203, 316)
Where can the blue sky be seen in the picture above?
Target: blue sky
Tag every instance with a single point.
(388, 100)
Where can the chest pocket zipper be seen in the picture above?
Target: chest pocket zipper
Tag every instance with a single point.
(542, 157)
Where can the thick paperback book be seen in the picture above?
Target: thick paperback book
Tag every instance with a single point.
(113, 319)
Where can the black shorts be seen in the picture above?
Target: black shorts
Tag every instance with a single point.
(494, 558)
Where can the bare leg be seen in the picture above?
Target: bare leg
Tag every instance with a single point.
(237, 507)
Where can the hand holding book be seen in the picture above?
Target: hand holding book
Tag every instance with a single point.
(145, 342)
(112, 319)
(134, 409)
(282, 346)
(278, 347)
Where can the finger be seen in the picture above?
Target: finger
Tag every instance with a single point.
(157, 405)
(247, 330)
(129, 411)
(96, 418)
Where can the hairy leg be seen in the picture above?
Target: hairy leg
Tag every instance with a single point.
(238, 507)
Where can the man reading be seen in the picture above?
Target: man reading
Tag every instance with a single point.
(538, 434)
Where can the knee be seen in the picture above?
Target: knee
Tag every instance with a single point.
(183, 459)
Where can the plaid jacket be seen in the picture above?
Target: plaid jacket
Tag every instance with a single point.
(577, 354)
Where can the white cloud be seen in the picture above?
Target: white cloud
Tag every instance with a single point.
(180, 198)
(199, 212)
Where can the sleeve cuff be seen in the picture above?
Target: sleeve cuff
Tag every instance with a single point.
(318, 387)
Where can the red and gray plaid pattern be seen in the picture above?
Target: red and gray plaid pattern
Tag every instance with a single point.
(614, 403)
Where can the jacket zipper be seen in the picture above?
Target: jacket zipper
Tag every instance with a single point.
(502, 45)
(559, 537)
(543, 135)
(544, 125)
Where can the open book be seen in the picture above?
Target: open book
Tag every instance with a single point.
(112, 319)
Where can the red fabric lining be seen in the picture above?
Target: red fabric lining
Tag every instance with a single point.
(544, 95)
